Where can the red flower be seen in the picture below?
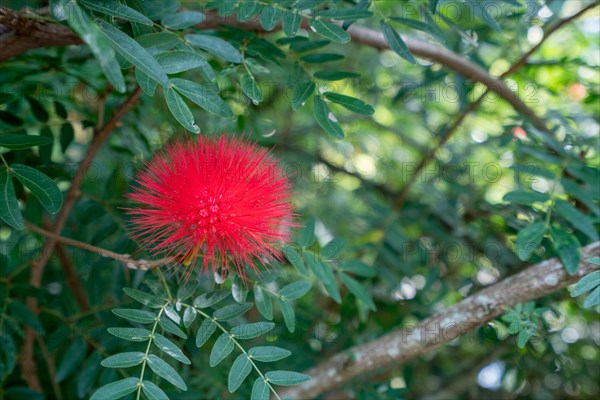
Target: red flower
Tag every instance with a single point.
(222, 199)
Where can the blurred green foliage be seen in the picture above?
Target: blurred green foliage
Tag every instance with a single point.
(498, 186)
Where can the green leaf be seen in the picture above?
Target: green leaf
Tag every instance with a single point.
(88, 374)
(204, 96)
(593, 299)
(222, 348)
(330, 31)
(131, 314)
(263, 303)
(358, 290)
(99, 45)
(268, 353)
(307, 235)
(527, 198)
(170, 348)
(320, 58)
(586, 284)
(189, 315)
(38, 110)
(67, 134)
(116, 390)
(286, 378)
(350, 103)
(207, 328)
(72, 358)
(568, 248)
(260, 390)
(172, 314)
(324, 274)
(430, 28)
(295, 290)
(308, 45)
(231, 311)
(170, 327)
(240, 370)
(333, 249)
(326, 119)
(288, 315)
(248, 10)
(251, 331)
(524, 335)
(215, 46)
(165, 371)
(180, 110)
(147, 84)
(20, 142)
(133, 52)
(115, 9)
(346, 14)
(358, 267)
(291, 22)
(153, 392)
(301, 92)
(529, 239)
(395, 42)
(131, 334)
(576, 218)
(335, 75)
(60, 110)
(10, 118)
(177, 61)
(594, 260)
(251, 88)
(210, 299)
(9, 205)
(40, 185)
(124, 360)
(295, 259)
(156, 43)
(269, 17)
(182, 19)
(146, 299)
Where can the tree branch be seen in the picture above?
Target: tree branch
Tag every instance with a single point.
(11, 21)
(403, 345)
(28, 366)
(124, 258)
(449, 131)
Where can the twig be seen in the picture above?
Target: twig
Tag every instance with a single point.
(27, 360)
(402, 345)
(129, 262)
(448, 132)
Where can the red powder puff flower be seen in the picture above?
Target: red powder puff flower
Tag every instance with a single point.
(222, 199)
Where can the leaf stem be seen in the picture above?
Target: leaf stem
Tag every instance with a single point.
(145, 361)
(237, 344)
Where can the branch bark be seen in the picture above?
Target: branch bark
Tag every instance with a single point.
(27, 361)
(12, 23)
(124, 258)
(405, 344)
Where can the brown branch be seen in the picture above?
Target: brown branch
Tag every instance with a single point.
(449, 131)
(28, 366)
(72, 278)
(403, 345)
(124, 258)
(21, 32)
(360, 35)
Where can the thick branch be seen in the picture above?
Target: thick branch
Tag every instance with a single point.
(21, 32)
(10, 21)
(403, 345)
